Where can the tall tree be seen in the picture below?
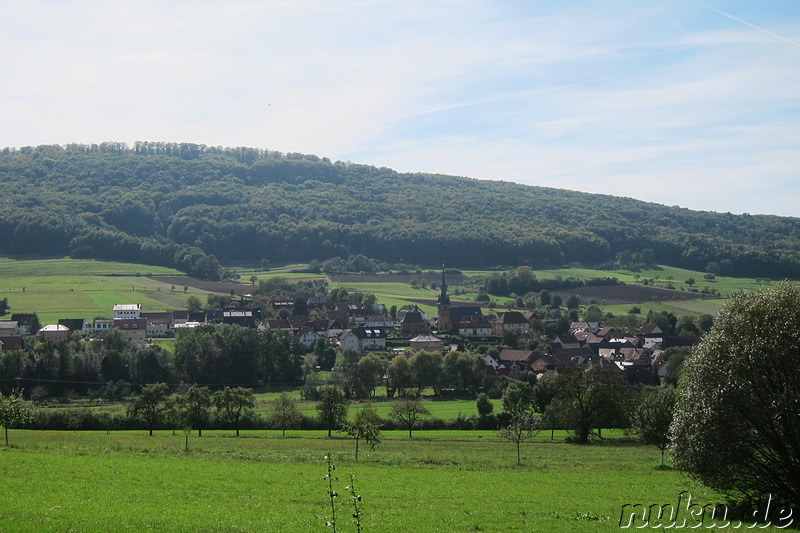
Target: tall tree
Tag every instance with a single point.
(332, 408)
(653, 417)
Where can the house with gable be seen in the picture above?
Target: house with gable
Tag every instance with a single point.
(517, 359)
(307, 337)
(54, 332)
(413, 321)
(82, 326)
(28, 323)
(475, 326)
(510, 321)
(9, 327)
(363, 339)
(428, 343)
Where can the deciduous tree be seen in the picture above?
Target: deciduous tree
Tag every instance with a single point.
(332, 408)
(150, 405)
(407, 411)
(365, 425)
(653, 417)
(14, 410)
(737, 420)
(285, 413)
(233, 404)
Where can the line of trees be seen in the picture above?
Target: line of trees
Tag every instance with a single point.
(214, 355)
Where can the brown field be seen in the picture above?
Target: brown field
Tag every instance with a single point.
(452, 279)
(627, 293)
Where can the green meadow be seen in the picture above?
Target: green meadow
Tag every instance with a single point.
(437, 481)
(85, 288)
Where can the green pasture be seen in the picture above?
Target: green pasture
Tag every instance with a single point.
(676, 307)
(437, 481)
(66, 266)
(84, 288)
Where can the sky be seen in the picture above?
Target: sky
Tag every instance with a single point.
(688, 103)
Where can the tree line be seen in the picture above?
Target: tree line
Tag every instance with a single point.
(193, 207)
(213, 355)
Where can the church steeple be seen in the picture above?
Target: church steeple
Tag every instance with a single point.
(443, 297)
(444, 324)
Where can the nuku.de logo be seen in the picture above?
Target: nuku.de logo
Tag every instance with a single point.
(686, 513)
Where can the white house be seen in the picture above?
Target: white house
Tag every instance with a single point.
(127, 310)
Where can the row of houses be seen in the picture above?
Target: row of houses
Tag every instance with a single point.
(639, 356)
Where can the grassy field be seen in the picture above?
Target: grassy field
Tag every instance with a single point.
(437, 481)
(67, 288)
(84, 288)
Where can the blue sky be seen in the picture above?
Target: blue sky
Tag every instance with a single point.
(689, 103)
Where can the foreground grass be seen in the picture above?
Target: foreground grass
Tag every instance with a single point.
(437, 481)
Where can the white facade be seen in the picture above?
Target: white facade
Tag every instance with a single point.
(127, 310)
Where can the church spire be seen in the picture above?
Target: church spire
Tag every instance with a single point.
(443, 297)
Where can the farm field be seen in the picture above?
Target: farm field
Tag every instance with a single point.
(437, 481)
(84, 288)
(78, 288)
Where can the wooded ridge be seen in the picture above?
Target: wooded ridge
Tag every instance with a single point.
(192, 206)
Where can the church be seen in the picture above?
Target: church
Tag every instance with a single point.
(450, 317)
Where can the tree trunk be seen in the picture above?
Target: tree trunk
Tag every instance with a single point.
(519, 461)
(356, 450)
(6, 428)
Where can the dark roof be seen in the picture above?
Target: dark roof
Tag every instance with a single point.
(73, 324)
(457, 314)
(675, 341)
(365, 332)
(12, 342)
(516, 355)
(511, 317)
(22, 319)
(412, 316)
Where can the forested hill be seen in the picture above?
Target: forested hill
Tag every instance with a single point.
(187, 205)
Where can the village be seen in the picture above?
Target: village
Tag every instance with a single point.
(638, 355)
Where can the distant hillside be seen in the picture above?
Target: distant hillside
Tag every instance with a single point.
(190, 206)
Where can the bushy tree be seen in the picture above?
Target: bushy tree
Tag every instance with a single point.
(150, 405)
(653, 417)
(332, 408)
(195, 405)
(285, 413)
(233, 404)
(737, 420)
(586, 400)
(14, 410)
